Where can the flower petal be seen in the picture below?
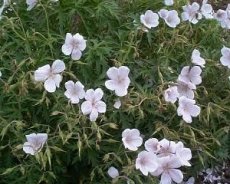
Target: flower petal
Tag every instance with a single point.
(76, 54)
(57, 78)
(119, 91)
(50, 85)
(194, 110)
(176, 175)
(110, 84)
(165, 178)
(98, 94)
(69, 85)
(93, 115)
(101, 107)
(58, 66)
(42, 73)
(67, 49)
(28, 148)
(112, 73)
(86, 107)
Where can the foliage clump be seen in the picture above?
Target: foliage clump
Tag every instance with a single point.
(81, 151)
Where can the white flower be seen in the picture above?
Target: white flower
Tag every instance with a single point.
(74, 92)
(191, 13)
(171, 17)
(93, 104)
(187, 109)
(184, 154)
(221, 15)
(171, 94)
(50, 75)
(225, 59)
(0, 74)
(74, 45)
(34, 143)
(167, 148)
(113, 172)
(196, 59)
(131, 139)
(149, 19)
(117, 104)
(169, 2)
(168, 169)
(152, 145)
(119, 80)
(185, 88)
(31, 4)
(207, 10)
(146, 162)
(191, 74)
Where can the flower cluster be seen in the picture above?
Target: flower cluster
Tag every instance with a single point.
(93, 105)
(191, 12)
(159, 157)
(183, 90)
(194, 12)
(151, 19)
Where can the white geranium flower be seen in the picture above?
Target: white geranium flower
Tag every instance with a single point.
(93, 104)
(171, 94)
(74, 45)
(221, 15)
(74, 91)
(50, 75)
(187, 109)
(113, 172)
(146, 162)
(171, 17)
(34, 143)
(150, 19)
(184, 154)
(191, 74)
(207, 10)
(131, 139)
(191, 13)
(168, 2)
(185, 88)
(119, 80)
(197, 59)
(225, 59)
(117, 104)
(31, 4)
(168, 169)
(152, 145)
(167, 148)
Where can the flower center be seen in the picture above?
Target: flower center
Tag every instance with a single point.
(75, 44)
(120, 80)
(144, 161)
